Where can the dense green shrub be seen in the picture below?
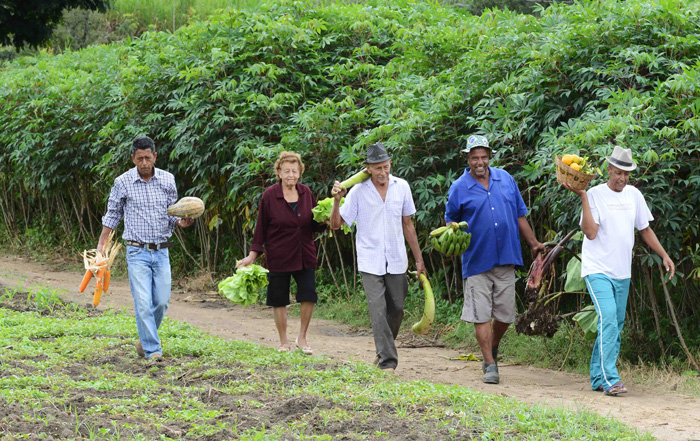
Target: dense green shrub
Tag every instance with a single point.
(222, 98)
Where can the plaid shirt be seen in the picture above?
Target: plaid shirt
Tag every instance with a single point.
(143, 205)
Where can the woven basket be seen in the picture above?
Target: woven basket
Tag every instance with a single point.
(575, 178)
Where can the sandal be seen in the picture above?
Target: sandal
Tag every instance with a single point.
(305, 349)
(284, 348)
(617, 389)
(599, 389)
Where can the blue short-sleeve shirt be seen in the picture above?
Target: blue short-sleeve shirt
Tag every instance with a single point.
(492, 216)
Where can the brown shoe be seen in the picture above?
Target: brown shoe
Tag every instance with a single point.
(156, 358)
(139, 349)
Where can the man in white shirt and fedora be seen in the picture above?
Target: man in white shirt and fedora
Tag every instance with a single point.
(610, 214)
(382, 208)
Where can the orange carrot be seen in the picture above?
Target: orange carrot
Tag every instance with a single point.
(86, 279)
(98, 295)
(105, 284)
(98, 287)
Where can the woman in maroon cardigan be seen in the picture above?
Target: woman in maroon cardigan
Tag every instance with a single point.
(284, 232)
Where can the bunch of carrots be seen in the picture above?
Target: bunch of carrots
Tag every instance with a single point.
(98, 264)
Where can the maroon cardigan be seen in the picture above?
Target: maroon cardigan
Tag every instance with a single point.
(286, 237)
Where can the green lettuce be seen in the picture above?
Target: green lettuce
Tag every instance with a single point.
(244, 286)
(322, 212)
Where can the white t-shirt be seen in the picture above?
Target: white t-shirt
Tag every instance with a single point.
(617, 215)
(381, 246)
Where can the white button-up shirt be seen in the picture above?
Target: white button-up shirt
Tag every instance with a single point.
(381, 248)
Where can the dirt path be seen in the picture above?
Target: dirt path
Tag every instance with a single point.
(672, 417)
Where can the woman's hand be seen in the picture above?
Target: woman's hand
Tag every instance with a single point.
(247, 261)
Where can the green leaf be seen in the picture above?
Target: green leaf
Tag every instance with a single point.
(574, 281)
(215, 222)
(587, 319)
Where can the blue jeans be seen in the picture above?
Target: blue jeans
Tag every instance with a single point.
(149, 278)
(610, 300)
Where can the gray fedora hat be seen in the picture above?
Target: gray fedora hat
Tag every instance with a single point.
(376, 153)
(622, 159)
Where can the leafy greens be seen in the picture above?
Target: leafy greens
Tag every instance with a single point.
(244, 286)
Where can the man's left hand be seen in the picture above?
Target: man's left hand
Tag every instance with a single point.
(537, 248)
(184, 222)
(420, 269)
(670, 267)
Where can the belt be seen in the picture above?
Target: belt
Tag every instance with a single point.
(149, 246)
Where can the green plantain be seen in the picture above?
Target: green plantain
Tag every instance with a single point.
(438, 231)
(444, 237)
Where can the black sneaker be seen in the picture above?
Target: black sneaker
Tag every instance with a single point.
(491, 374)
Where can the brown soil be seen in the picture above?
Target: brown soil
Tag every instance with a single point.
(76, 417)
(668, 416)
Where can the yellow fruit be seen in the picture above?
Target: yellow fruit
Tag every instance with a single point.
(575, 166)
(576, 159)
(566, 159)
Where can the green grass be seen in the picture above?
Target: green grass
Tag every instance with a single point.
(172, 14)
(169, 15)
(568, 350)
(69, 373)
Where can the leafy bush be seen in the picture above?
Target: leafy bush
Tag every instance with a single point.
(222, 98)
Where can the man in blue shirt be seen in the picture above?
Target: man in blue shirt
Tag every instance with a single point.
(488, 199)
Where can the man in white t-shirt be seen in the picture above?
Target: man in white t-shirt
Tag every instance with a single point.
(382, 208)
(611, 212)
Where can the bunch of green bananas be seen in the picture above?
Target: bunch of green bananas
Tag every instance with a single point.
(451, 240)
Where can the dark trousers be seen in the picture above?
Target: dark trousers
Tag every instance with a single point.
(385, 300)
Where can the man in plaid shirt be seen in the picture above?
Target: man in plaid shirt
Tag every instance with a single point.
(142, 196)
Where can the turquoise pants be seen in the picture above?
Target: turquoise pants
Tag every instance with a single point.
(610, 300)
